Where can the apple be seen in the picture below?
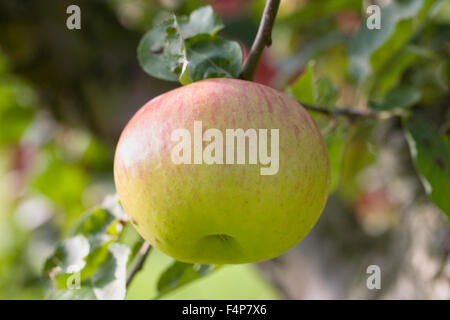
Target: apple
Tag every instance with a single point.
(227, 211)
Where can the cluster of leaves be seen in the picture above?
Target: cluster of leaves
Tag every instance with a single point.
(64, 170)
(188, 49)
(46, 169)
(377, 60)
(400, 72)
(92, 262)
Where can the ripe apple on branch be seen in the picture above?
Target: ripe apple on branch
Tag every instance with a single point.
(226, 170)
(214, 212)
(221, 213)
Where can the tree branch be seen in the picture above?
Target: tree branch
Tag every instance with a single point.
(346, 112)
(143, 254)
(263, 39)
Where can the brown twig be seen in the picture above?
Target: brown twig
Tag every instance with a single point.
(143, 254)
(352, 114)
(263, 39)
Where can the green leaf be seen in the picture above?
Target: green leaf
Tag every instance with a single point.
(99, 226)
(201, 21)
(397, 98)
(431, 155)
(160, 51)
(304, 88)
(327, 92)
(67, 259)
(211, 57)
(370, 49)
(91, 257)
(180, 273)
(336, 145)
(391, 76)
(359, 153)
(324, 93)
(187, 50)
(109, 282)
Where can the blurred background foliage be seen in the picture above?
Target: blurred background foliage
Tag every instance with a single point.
(65, 96)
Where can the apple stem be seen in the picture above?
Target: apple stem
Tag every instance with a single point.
(263, 39)
(143, 254)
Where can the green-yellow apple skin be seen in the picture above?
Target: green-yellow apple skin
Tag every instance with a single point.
(221, 213)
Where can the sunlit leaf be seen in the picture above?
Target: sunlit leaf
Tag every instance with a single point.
(99, 226)
(201, 21)
(67, 259)
(91, 260)
(304, 88)
(109, 282)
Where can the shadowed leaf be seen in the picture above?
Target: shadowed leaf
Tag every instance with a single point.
(180, 273)
(431, 155)
(186, 49)
(397, 98)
